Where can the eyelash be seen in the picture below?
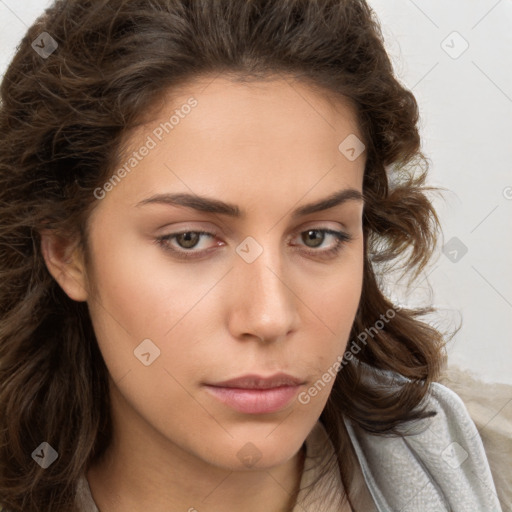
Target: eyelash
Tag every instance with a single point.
(341, 239)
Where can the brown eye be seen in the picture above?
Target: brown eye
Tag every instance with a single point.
(314, 242)
(315, 235)
(188, 240)
(182, 244)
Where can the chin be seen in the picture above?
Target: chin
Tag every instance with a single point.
(250, 450)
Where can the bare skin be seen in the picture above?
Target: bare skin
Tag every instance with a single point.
(269, 148)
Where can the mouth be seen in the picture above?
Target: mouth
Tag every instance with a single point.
(254, 394)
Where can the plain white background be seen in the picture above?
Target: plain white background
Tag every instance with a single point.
(456, 57)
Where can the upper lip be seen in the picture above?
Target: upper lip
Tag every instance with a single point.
(259, 382)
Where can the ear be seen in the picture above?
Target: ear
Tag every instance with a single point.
(65, 263)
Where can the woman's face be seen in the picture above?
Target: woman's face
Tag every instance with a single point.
(262, 292)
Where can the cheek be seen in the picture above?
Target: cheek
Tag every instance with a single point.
(141, 296)
(337, 298)
(334, 303)
(146, 311)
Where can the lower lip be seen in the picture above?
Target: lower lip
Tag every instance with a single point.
(255, 401)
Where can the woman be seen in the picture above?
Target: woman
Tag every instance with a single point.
(199, 202)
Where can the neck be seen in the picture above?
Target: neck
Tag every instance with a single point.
(128, 485)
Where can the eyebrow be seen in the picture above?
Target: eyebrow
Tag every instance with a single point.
(210, 205)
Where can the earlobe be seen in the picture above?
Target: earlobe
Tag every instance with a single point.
(65, 263)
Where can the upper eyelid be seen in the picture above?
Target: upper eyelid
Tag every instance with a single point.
(313, 224)
(216, 232)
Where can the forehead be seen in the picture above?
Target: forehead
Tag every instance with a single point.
(249, 110)
(223, 138)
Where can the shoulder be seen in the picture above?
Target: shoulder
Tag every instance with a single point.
(490, 406)
(442, 466)
(451, 419)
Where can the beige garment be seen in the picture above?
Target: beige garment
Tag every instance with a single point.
(490, 407)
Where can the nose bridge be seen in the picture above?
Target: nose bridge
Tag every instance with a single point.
(263, 303)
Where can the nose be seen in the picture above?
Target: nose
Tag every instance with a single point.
(262, 302)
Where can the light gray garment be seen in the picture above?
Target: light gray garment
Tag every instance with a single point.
(442, 469)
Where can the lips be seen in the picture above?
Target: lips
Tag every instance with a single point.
(255, 394)
(258, 382)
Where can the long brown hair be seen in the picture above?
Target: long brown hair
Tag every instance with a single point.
(63, 119)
